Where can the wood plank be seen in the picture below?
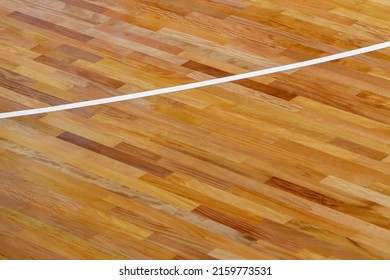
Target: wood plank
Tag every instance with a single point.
(291, 165)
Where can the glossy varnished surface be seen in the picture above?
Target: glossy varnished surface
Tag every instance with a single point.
(291, 165)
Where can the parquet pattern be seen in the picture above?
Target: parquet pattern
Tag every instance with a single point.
(293, 165)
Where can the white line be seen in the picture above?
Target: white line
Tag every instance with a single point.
(196, 84)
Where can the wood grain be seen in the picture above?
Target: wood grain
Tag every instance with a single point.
(292, 165)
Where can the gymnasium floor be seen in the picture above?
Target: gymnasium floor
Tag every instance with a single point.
(290, 165)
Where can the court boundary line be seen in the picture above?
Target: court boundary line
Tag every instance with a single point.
(200, 84)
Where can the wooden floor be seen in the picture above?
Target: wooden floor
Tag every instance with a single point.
(294, 165)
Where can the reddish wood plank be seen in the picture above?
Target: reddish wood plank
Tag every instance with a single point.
(359, 149)
(21, 84)
(115, 154)
(50, 26)
(303, 192)
(283, 94)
